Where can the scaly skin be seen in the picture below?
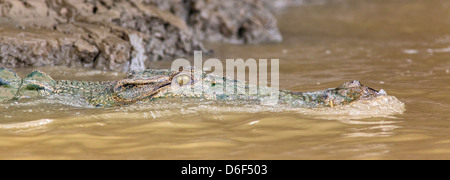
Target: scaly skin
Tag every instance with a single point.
(151, 85)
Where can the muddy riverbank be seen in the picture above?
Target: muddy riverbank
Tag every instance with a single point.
(124, 35)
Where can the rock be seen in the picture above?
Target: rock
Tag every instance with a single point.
(222, 21)
(252, 22)
(89, 34)
(23, 48)
(111, 34)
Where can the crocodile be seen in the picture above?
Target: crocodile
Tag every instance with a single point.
(186, 82)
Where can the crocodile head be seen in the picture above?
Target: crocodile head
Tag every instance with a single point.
(349, 92)
(152, 84)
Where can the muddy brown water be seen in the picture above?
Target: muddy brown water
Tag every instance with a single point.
(400, 46)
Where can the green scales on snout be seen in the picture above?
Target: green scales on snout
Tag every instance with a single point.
(151, 85)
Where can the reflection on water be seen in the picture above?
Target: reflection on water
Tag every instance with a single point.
(381, 43)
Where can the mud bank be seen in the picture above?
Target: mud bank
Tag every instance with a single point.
(121, 35)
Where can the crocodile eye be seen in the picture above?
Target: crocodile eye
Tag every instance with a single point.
(183, 80)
